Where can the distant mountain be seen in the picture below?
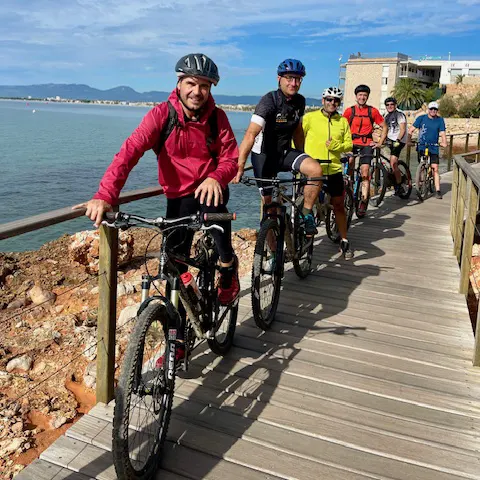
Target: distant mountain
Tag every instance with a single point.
(122, 94)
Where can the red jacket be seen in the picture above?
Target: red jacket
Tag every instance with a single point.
(184, 161)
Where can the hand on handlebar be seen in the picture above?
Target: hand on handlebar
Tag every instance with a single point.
(95, 208)
(238, 176)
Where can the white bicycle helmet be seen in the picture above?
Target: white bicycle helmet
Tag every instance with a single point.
(332, 92)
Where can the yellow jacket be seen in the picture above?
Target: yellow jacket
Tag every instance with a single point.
(319, 128)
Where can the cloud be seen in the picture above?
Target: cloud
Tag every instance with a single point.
(150, 35)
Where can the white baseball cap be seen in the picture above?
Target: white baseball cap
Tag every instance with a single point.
(433, 105)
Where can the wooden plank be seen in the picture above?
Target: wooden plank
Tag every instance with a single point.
(413, 361)
(453, 358)
(327, 411)
(462, 187)
(38, 470)
(277, 366)
(87, 428)
(63, 451)
(307, 437)
(336, 303)
(470, 222)
(453, 211)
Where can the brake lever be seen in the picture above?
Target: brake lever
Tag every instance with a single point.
(212, 227)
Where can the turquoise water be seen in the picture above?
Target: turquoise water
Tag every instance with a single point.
(55, 157)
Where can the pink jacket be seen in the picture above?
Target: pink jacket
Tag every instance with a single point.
(184, 161)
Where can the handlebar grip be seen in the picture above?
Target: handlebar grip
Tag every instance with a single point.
(219, 217)
(110, 216)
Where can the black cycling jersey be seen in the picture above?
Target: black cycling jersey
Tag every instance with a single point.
(279, 118)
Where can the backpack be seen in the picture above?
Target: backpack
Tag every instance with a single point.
(172, 122)
(369, 116)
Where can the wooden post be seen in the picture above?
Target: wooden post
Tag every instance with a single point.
(472, 207)
(450, 154)
(466, 142)
(462, 188)
(107, 309)
(454, 205)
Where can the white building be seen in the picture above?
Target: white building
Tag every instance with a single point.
(382, 71)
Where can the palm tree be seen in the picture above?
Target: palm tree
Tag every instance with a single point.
(459, 79)
(409, 94)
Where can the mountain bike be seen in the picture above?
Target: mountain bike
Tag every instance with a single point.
(424, 179)
(323, 209)
(384, 177)
(281, 231)
(144, 395)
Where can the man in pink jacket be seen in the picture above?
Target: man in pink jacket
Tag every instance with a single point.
(195, 164)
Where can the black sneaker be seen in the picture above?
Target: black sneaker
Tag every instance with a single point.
(310, 227)
(439, 195)
(347, 252)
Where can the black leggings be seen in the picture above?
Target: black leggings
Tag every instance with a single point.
(180, 240)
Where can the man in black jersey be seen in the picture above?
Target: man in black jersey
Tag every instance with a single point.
(275, 122)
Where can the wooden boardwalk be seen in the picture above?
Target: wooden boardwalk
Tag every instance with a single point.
(366, 373)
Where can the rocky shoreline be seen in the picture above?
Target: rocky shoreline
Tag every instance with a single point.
(48, 321)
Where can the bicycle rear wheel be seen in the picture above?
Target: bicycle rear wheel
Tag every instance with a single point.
(267, 273)
(406, 185)
(378, 184)
(144, 396)
(421, 182)
(303, 245)
(224, 323)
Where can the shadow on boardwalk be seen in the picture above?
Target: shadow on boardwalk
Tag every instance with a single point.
(220, 399)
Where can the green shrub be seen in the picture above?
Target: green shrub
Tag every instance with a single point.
(447, 106)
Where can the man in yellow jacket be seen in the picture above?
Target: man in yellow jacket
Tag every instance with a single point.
(327, 136)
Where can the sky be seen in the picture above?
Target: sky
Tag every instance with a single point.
(108, 43)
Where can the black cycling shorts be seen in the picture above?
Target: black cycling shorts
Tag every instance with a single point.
(365, 152)
(434, 157)
(395, 151)
(335, 185)
(264, 167)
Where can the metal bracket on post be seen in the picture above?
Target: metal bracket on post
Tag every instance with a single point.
(107, 312)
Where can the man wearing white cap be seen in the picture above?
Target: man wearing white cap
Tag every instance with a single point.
(431, 127)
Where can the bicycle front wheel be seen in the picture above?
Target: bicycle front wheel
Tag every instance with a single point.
(267, 273)
(303, 245)
(406, 190)
(422, 182)
(378, 184)
(144, 396)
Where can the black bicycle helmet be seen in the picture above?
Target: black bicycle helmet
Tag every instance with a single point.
(391, 100)
(291, 65)
(362, 88)
(197, 65)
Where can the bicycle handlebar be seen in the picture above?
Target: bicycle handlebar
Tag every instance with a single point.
(124, 220)
(278, 181)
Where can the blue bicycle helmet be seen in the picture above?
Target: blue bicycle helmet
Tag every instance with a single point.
(290, 65)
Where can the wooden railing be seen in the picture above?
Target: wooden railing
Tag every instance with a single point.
(107, 281)
(463, 225)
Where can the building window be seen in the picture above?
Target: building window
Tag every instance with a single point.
(384, 81)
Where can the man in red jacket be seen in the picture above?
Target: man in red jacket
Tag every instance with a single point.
(193, 167)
